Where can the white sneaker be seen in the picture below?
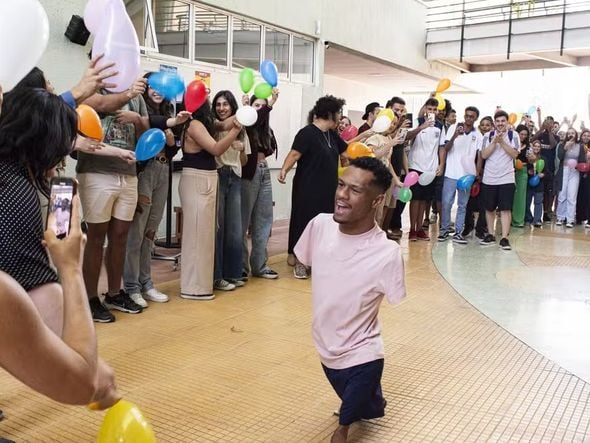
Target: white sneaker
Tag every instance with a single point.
(155, 295)
(224, 285)
(137, 298)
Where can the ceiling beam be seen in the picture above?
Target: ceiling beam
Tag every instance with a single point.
(514, 66)
(564, 60)
(460, 66)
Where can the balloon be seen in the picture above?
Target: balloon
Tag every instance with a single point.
(534, 181)
(381, 124)
(358, 149)
(195, 95)
(540, 165)
(168, 84)
(117, 40)
(263, 90)
(512, 118)
(443, 85)
(411, 179)
(583, 167)
(531, 110)
(24, 31)
(149, 144)
(571, 163)
(94, 14)
(246, 80)
(405, 195)
(341, 171)
(465, 182)
(426, 178)
(349, 133)
(518, 165)
(475, 189)
(441, 102)
(247, 116)
(124, 423)
(89, 122)
(269, 73)
(388, 113)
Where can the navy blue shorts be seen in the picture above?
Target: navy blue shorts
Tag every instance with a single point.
(359, 388)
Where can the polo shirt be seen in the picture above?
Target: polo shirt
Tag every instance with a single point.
(499, 168)
(461, 157)
(423, 156)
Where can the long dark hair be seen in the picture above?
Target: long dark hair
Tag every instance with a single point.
(528, 131)
(34, 79)
(233, 104)
(205, 116)
(37, 130)
(165, 108)
(259, 133)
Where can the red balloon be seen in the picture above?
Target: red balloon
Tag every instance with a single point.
(195, 95)
(475, 188)
(583, 167)
(349, 133)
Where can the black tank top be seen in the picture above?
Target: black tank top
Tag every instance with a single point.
(200, 160)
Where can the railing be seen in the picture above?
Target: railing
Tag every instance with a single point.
(456, 13)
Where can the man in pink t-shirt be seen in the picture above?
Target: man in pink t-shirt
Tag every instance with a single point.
(353, 266)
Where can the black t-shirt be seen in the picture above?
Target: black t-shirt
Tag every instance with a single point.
(547, 152)
(364, 127)
(22, 256)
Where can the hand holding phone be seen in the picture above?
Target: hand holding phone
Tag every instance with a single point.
(431, 117)
(59, 213)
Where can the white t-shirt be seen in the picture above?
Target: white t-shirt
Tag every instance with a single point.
(350, 276)
(231, 157)
(461, 157)
(499, 168)
(423, 154)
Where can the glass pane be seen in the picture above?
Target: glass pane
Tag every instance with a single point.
(137, 11)
(246, 45)
(210, 37)
(276, 48)
(172, 23)
(302, 60)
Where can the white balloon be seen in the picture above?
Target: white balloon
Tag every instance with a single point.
(24, 32)
(247, 116)
(426, 178)
(94, 14)
(381, 123)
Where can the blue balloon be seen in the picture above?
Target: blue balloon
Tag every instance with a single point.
(149, 144)
(168, 84)
(269, 72)
(532, 110)
(534, 181)
(465, 182)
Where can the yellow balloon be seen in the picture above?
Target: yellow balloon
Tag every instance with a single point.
(441, 102)
(124, 423)
(387, 112)
(340, 171)
(443, 85)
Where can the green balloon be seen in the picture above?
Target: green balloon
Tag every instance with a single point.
(540, 165)
(263, 90)
(246, 80)
(405, 195)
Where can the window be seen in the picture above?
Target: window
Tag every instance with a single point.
(302, 60)
(276, 48)
(210, 37)
(172, 23)
(138, 13)
(246, 44)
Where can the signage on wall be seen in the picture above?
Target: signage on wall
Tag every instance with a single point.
(205, 77)
(168, 68)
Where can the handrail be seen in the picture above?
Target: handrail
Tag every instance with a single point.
(442, 14)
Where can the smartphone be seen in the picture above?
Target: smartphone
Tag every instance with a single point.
(431, 116)
(410, 118)
(59, 212)
(403, 133)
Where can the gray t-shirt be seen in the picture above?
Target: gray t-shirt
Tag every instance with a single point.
(121, 135)
(572, 153)
(499, 168)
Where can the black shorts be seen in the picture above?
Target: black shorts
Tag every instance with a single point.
(548, 180)
(498, 196)
(359, 388)
(423, 193)
(438, 188)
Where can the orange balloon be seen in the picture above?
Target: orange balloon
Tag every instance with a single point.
(512, 118)
(358, 149)
(89, 122)
(518, 165)
(443, 85)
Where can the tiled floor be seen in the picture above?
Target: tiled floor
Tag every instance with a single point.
(242, 368)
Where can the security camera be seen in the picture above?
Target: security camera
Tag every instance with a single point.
(327, 44)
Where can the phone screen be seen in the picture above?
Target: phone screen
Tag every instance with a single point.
(60, 206)
(403, 133)
(431, 116)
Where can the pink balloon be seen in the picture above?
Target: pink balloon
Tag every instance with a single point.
(349, 133)
(411, 179)
(117, 40)
(94, 14)
(572, 163)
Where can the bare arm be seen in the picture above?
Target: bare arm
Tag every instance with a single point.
(107, 104)
(93, 80)
(292, 157)
(94, 147)
(202, 138)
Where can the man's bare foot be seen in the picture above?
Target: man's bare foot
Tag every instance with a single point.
(340, 435)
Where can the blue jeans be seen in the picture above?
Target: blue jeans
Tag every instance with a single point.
(537, 195)
(152, 190)
(448, 198)
(257, 214)
(228, 241)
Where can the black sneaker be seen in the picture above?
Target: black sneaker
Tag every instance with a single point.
(538, 225)
(443, 236)
(268, 274)
(480, 235)
(100, 314)
(458, 238)
(505, 244)
(122, 302)
(489, 239)
(244, 276)
(546, 218)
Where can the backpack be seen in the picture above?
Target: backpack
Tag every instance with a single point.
(510, 135)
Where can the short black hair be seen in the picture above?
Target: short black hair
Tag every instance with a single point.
(501, 113)
(395, 100)
(326, 108)
(452, 110)
(381, 176)
(473, 109)
(431, 102)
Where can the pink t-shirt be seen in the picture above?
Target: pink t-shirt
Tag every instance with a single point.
(350, 276)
